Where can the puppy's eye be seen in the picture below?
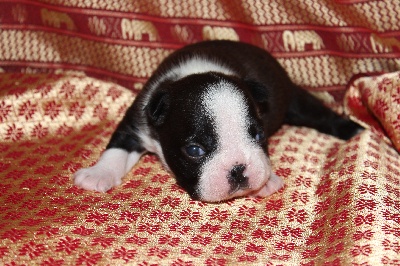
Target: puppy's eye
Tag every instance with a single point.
(257, 133)
(194, 150)
(260, 136)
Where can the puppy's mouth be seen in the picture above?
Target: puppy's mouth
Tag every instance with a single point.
(240, 190)
(238, 186)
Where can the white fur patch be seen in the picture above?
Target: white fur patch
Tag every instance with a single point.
(194, 65)
(153, 146)
(197, 65)
(229, 112)
(108, 171)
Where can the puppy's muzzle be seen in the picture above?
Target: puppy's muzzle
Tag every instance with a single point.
(237, 179)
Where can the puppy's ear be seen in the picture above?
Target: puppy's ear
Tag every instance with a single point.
(158, 107)
(258, 91)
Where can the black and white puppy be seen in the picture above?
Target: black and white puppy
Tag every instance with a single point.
(207, 112)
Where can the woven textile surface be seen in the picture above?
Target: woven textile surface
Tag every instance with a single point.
(69, 70)
(375, 101)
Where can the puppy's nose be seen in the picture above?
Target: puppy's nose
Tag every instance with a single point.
(236, 176)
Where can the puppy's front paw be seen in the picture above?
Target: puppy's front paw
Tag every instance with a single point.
(96, 178)
(274, 184)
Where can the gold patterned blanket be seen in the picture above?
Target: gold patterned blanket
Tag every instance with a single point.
(339, 204)
(71, 68)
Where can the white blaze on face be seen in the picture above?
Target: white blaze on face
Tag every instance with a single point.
(197, 64)
(228, 111)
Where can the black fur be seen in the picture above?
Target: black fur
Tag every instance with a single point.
(306, 110)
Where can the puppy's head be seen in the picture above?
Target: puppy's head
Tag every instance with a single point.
(211, 135)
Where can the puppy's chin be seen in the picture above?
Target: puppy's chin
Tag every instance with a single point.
(273, 184)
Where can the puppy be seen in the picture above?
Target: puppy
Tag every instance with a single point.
(207, 112)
